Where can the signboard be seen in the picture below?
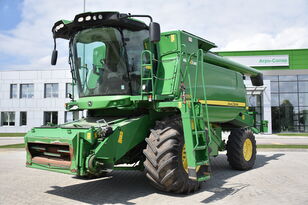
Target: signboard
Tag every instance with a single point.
(268, 60)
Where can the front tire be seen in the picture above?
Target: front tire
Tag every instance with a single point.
(241, 149)
(165, 159)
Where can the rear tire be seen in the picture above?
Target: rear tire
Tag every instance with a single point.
(163, 164)
(241, 149)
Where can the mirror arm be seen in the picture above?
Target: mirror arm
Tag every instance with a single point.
(54, 52)
(54, 43)
(142, 16)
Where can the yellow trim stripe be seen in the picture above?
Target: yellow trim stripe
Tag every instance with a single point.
(223, 103)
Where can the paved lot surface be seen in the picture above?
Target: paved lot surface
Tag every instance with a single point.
(280, 140)
(11, 140)
(277, 140)
(279, 177)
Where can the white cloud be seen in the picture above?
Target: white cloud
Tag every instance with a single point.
(232, 25)
(290, 38)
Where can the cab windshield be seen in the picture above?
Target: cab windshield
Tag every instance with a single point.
(106, 61)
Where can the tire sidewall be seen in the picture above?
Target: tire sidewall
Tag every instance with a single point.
(235, 149)
(249, 135)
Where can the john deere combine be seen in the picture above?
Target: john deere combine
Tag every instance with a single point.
(157, 102)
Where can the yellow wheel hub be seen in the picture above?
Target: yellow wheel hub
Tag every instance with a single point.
(184, 159)
(247, 149)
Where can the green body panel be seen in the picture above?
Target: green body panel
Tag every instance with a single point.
(126, 135)
(99, 102)
(181, 77)
(223, 114)
(222, 84)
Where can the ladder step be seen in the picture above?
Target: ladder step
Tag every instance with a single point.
(205, 162)
(197, 148)
(199, 132)
(150, 92)
(198, 117)
(144, 79)
(206, 177)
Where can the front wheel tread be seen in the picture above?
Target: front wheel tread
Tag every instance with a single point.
(163, 164)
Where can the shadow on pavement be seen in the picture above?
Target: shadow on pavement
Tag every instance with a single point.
(124, 186)
(121, 187)
(222, 172)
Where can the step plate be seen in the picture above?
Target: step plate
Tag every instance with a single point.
(201, 173)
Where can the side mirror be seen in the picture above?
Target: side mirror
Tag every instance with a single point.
(54, 57)
(154, 30)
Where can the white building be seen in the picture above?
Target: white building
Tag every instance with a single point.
(31, 98)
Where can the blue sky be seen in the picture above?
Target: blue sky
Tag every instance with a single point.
(10, 14)
(26, 39)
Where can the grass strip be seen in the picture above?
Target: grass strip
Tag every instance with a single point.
(20, 134)
(293, 134)
(277, 146)
(13, 146)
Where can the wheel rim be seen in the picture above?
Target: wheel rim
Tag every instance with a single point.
(184, 159)
(247, 149)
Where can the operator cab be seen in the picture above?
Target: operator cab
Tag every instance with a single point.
(105, 51)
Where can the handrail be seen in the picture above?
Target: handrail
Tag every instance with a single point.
(200, 55)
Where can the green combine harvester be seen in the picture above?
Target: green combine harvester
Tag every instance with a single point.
(156, 102)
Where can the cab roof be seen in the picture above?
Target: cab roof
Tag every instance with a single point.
(65, 28)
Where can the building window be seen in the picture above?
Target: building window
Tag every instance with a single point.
(13, 91)
(69, 89)
(50, 118)
(23, 118)
(287, 78)
(289, 103)
(303, 77)
(51, 90)
(71, 116)
(26, 90)
(8, 118)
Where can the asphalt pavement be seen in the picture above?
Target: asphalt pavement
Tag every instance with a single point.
(279, 177)
(277, 139)
(260, 138)
(281, 140)
(11, 140)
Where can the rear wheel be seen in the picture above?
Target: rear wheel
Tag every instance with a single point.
(166, 163)
(241, 149)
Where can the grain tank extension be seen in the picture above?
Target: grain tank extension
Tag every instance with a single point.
(157, 102)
